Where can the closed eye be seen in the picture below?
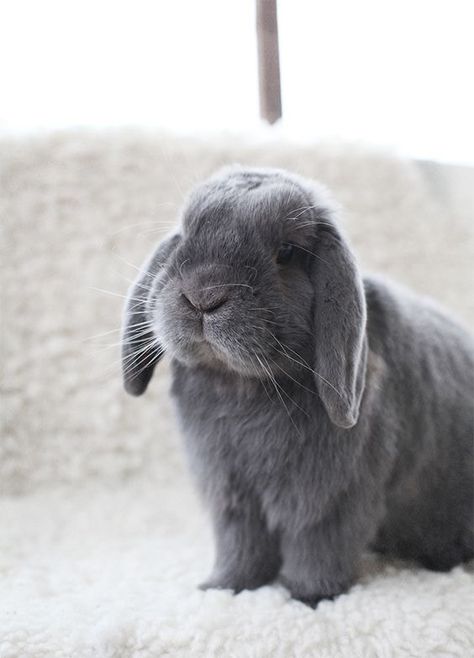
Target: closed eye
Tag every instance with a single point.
(285, 253)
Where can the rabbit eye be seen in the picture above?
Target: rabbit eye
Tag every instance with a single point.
(285, 253)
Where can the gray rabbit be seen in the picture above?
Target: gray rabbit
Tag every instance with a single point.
(323, 414)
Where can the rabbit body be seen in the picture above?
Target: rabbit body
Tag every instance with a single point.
(308, 458)
(289, 491)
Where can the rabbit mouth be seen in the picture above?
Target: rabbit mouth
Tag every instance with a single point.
(210, 344)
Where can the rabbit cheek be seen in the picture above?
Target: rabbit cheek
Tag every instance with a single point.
(221, 333)
(176, 326)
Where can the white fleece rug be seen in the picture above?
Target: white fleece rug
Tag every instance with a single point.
(102, 540)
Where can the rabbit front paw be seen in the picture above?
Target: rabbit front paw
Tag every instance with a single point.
(313, 595)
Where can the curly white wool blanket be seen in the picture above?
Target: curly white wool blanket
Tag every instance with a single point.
(102, 540)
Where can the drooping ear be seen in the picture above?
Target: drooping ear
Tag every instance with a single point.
(340, 358)
(140, 348)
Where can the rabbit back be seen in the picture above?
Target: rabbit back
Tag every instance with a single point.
(428, 387)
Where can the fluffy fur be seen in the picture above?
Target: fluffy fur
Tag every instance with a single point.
(322, 413)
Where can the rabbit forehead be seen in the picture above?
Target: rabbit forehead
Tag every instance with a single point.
(245, 200)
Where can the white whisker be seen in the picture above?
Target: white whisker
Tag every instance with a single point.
(267, 369)
(227, 285)
(303, 363)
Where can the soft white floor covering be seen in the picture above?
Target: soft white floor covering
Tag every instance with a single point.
(113, 573)
(102, 540)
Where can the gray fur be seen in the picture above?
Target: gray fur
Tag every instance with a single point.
(323, 414)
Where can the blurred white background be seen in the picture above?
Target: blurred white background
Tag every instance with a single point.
(394, 74)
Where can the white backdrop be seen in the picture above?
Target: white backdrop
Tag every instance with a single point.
(395, 74)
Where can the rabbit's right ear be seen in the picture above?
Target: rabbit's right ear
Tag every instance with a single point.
(140, 348)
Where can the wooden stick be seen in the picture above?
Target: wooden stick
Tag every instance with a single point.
(268, 60)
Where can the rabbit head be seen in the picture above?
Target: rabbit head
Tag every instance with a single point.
(258, 281)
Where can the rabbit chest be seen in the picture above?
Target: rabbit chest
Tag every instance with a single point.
(248, 435)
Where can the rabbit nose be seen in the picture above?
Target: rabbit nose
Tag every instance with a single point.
(203, 301)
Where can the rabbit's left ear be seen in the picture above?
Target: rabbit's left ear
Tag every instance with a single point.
(340, 357)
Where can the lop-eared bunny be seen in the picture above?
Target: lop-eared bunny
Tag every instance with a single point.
(323, 414)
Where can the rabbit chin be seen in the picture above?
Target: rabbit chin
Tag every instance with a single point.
(197, 348)
(208, 354)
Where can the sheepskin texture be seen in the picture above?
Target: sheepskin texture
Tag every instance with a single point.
(103, 539)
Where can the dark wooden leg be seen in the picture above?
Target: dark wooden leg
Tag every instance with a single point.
(268, 60)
